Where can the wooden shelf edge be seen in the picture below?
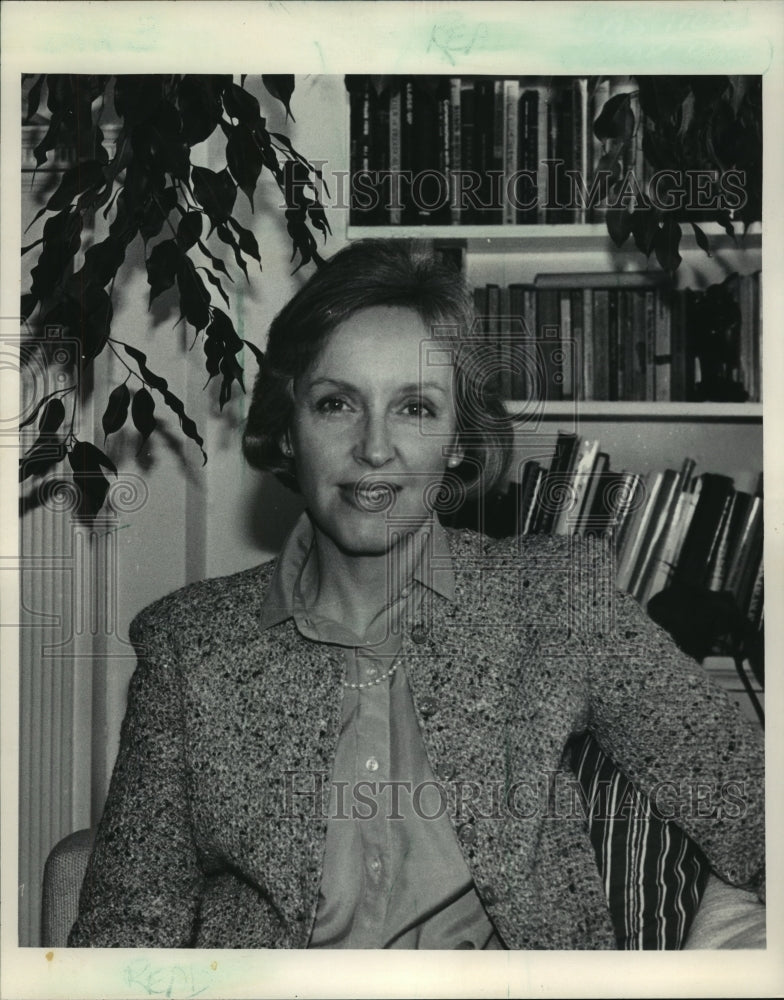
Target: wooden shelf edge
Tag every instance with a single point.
(599, 409)
(580, 236)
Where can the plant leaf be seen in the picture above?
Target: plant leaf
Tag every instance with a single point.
(215, 282)
(194, 297)
(222, 328)
(75, 180)
(175, 404)
(189, 230)
(241, 105)
(40, 459)
(199, 102)
(257, 354)
(52, 417)
(616, 119)
(34, 99)
(162, 267)
(143, 414)
(666, 244)
(244, 159)
(116, 411)
(702, 240)
(247, 240)
(86, 461)
(645, 225)
(227, 237)
(216, 193)
(280, 86)
(619, 225)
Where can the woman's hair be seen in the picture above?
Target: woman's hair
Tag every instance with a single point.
(366, 274)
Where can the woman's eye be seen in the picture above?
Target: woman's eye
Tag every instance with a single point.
(418, 408)
(332, 404)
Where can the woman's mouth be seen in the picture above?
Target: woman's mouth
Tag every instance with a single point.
(373, 496)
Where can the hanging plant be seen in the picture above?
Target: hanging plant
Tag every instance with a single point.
(184, 215)
(701, 140)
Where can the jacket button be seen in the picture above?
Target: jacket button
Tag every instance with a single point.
(466, 834)
(447, 771)
(419, 634)
(490, 895)
(427, 706)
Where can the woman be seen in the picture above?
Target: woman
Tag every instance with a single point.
(366, 743)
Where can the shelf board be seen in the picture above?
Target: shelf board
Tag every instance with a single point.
(647, 411)
(552, 238)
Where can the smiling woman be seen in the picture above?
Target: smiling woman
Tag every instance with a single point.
(369, 742)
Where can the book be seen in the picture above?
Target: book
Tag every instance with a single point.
(601, 343)
(662, 358)
(567, 345)
(587, 345)
(455, 146)
(655, 535)
(522, 345)
(530, 486)
(632, 542)
(548, 343)
(510, 146)
(395, 151)
(553, 490)
(526, 188)
(568, 517)
(587, 522)
(697, 554)
(467, 126)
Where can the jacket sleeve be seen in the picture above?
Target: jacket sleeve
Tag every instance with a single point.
(681, 740)
(142, 884)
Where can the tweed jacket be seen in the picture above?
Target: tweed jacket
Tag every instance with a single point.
(214, 829)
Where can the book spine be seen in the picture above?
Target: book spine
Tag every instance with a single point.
(468, 156)
(588, 344)
(528, 146)
(578, 343)
(649, 392)
(581, 143)
(455, 147)
(635, 535)
(510, 144)
(613, 326)
(407, 147)
(566, 347)
(662, 378)
(599, 96)
(548, 341)
(601, 343)
(639, 359)
(395, 152)
(517, 332)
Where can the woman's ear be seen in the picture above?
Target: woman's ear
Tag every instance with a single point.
(456, 455)
(285, 446)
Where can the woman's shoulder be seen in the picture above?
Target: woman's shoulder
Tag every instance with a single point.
(467, 545)
(225, 602)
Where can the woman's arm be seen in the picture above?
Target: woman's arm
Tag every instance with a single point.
(143, 881)
(681, 740)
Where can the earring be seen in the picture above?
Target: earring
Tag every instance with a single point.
(287, 450)
(454, 461)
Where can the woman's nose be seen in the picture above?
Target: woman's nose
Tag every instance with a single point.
(374, 446)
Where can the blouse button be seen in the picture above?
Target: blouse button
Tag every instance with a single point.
(467, 834)
(372, 671)
(419, 634)
(489, 894)
(427, 706)
(371, 764)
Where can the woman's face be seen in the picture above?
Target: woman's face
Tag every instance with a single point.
(374, 428)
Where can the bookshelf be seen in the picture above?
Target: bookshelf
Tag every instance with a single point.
(643, 436)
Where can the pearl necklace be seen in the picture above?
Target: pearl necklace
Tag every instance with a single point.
(378, 680)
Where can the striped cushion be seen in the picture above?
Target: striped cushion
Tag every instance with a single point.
(653, 873)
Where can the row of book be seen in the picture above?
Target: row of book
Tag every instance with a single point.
(623, 336)
(668, 526)
(486, 150)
